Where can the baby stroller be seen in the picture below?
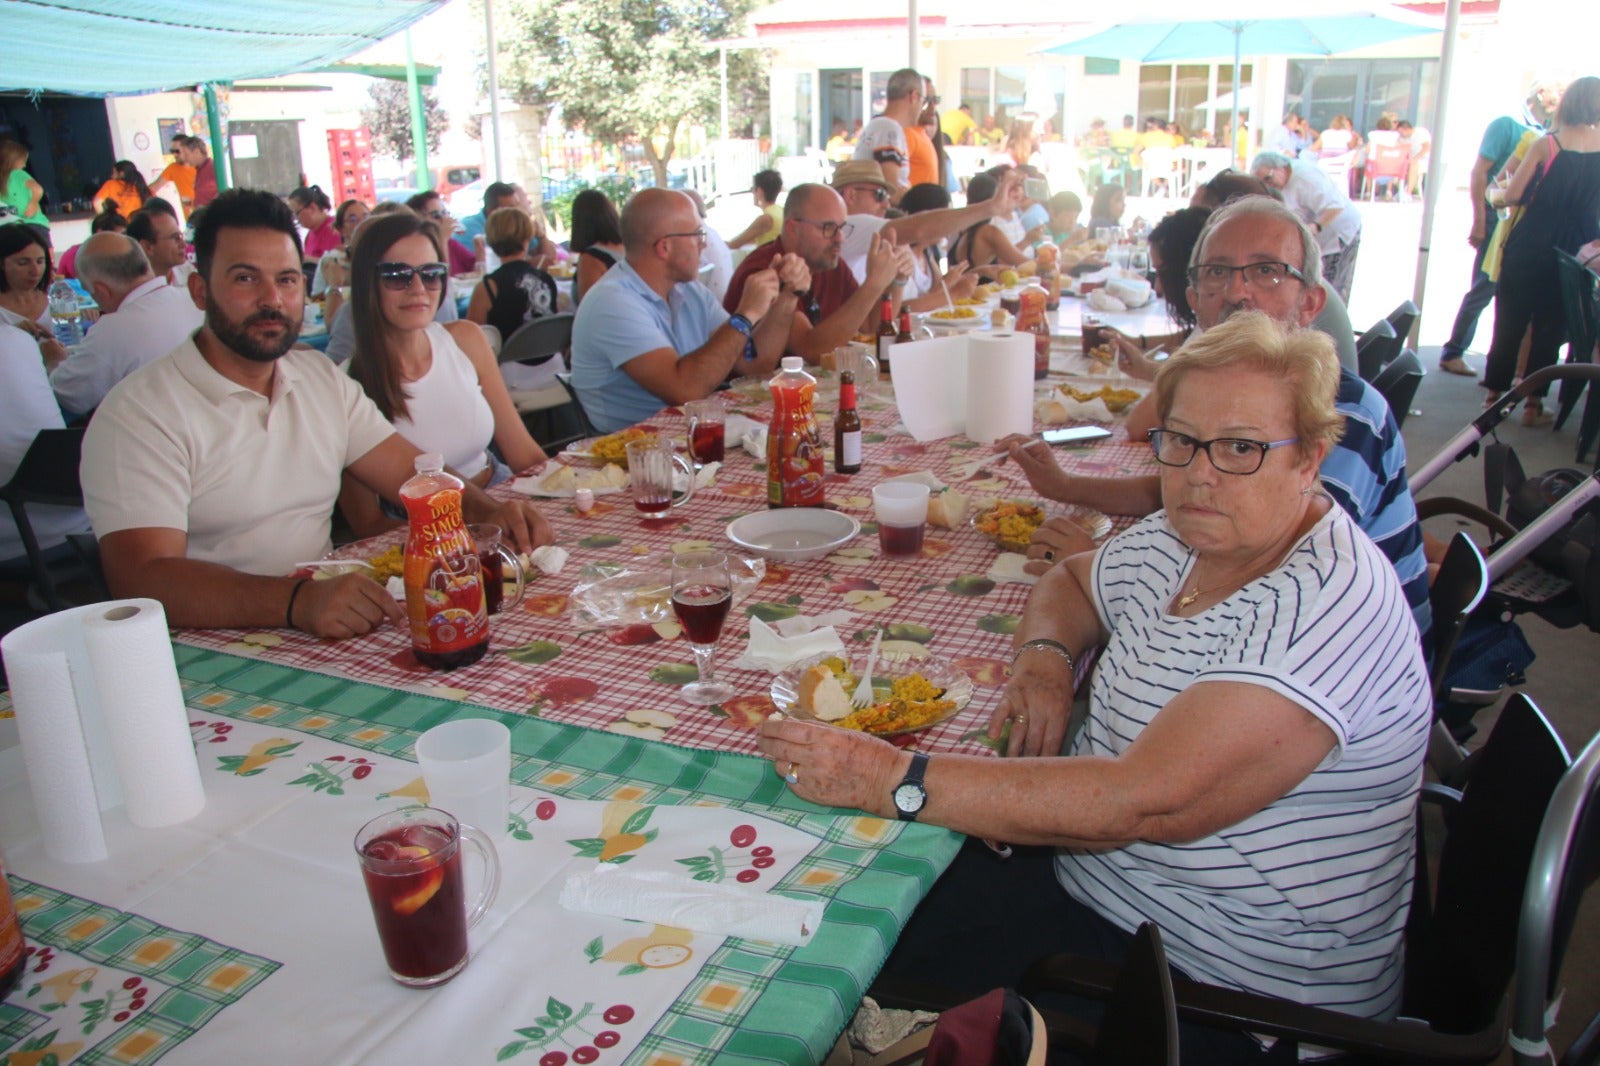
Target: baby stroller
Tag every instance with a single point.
(1541, 557)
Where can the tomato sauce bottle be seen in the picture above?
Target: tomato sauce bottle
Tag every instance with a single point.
(796, 461)
(444, 580)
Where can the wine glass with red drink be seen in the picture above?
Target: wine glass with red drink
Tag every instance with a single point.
(702, 593)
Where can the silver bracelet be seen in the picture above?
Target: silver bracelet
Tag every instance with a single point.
(1054, 647)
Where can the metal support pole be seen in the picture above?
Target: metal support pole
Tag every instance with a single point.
(419, 126)
(219, 143)
(911, 34)
(1436, 175)
(489, 48)
(722, 93)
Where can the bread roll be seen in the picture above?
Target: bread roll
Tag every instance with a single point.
(822, 696)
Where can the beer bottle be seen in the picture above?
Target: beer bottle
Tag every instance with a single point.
(847, 428)
(904, 335)
(886, 334)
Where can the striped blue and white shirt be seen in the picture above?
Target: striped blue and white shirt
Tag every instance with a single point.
(1307, 898)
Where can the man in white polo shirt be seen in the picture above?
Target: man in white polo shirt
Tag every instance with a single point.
(210, 472)
(141, 319)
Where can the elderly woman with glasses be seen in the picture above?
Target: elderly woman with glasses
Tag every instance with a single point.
(438, 384)
(1248, 772)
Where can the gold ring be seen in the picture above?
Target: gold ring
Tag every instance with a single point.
(1020, 719)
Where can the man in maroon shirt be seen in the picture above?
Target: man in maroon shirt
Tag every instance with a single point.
(195, 153)
(814, 228)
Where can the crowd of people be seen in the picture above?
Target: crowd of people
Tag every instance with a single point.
(1264, 624)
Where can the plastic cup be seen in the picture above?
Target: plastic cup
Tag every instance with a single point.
(411, 863)
(901, 508)
(466, 764)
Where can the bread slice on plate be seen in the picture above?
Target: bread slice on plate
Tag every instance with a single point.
(822, 696)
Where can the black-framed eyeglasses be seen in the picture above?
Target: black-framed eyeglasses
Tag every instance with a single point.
(830, 229)
(1212, 278)
(1228, 455)
(697, 234)
(396, 277)
(437, 213)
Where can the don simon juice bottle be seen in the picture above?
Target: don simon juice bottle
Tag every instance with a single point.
(13, 957)
(444, 581)
(796, 463)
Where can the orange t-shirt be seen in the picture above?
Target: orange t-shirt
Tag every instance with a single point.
(922, 166)
(181, 175)
(119, 192)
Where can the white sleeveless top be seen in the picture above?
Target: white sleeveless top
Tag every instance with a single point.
(447, 411)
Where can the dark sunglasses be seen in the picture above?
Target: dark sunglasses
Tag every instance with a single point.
(397, 276)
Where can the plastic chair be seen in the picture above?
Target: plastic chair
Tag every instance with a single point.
(1385, 163)
(1376, 348)
(1398, 383)
(47, 476)
(1161, 165)
(1580, 299)
(549, 410)
(1140, 1023)
(1403, 319)
(1461, 948)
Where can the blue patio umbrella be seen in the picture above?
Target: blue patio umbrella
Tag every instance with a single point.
(1248, 27)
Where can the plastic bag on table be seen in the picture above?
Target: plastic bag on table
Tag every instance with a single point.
(640, 590)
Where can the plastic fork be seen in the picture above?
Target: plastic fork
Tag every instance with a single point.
(862, 696)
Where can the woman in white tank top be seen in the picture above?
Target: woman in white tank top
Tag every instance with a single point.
(438, 384)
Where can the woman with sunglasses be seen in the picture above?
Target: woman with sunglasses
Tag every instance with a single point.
(439, 385)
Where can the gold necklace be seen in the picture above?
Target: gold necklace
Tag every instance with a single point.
(1185, 600)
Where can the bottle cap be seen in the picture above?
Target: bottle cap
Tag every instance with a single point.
(793, 362)
(428, 463)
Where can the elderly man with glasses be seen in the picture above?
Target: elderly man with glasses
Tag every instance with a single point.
(1325, 209)
(1255, 255)
(836, 307)
(648, 334)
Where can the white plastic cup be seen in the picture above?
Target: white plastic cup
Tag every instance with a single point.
(466, 765)
(901, 508)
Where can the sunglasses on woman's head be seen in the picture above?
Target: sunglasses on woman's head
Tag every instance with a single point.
(397, 276)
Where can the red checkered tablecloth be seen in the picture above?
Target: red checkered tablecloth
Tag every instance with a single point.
(544, 662)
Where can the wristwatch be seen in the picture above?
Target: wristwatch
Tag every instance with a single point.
(909, 795)
(742, 324)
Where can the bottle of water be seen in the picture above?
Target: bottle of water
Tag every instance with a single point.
(64, 313)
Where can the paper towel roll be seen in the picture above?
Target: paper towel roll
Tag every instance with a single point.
(999, 385)
(147, 722)
(100, 723)
(705, 907)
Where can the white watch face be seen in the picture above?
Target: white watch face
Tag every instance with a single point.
(909, 797)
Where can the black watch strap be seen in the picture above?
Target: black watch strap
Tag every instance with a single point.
(910, 796)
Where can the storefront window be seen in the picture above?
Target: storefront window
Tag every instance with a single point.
(802, 112)
(1010, 92)
(975, 90)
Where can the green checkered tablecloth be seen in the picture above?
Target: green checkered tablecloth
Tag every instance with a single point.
(747, 1001)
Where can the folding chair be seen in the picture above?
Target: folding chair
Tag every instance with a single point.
(48, 476)
(1403, 319)
(1398, 383)
(548, 409)
(1376, 348)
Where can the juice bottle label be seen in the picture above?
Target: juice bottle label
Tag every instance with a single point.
(11, 948)
(444, 582)
(795, 456)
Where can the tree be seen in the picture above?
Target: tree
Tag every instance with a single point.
(388, 116)
(627, 68)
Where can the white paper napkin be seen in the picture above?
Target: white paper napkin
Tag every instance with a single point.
(703, 906)
(770, 650)
(1007, 569)
(748, 434)
(802, 624)
(549, 559)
